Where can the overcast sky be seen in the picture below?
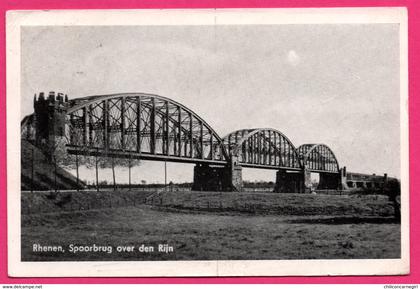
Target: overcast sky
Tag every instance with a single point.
(332, 84)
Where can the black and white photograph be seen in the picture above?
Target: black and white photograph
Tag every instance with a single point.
(242, 140)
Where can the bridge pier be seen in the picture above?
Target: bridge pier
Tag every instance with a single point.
(343, 179)
(235, 178)
(217, 178)
(300, 182)
(289, 182)
(307, 184)
(329, 181)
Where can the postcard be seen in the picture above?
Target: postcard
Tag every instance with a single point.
(224, 142)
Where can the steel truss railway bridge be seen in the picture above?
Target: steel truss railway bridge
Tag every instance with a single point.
(151, 127)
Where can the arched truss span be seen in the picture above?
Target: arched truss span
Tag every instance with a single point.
(318, 157)
(138, 124)
(262, 147)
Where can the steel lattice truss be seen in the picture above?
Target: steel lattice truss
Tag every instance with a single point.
(318, 157)
(151, 127)
(141, 126)
(264, 148)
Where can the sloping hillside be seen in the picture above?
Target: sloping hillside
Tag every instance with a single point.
(44, 172)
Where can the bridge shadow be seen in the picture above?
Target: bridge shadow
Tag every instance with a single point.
(342, 220)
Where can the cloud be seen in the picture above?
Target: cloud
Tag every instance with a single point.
(293, 58)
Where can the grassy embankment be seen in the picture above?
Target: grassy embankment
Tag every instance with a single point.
(218, 226)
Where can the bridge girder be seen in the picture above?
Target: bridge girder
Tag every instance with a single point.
(318, 158)
(152, 127)
(141, 126)
(262, 148)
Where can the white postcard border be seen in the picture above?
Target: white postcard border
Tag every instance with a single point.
(17, 19)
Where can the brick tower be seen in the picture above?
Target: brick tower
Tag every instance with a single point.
(50, 118)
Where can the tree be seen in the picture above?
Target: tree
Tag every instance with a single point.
(101, 158)
(58, 155)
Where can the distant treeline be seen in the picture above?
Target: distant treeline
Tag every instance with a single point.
(105, 184)
(186, 185)
(258, 184)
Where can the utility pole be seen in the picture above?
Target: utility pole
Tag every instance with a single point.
(165, 177)
(77, 170)
(113, 172)
(96, 169)
(129, 173)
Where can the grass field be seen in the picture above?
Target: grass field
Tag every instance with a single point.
(221, 226)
